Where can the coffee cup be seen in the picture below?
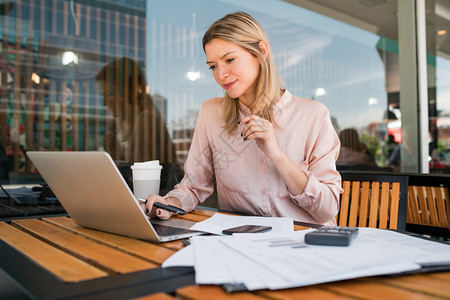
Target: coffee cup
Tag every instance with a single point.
(146, 178)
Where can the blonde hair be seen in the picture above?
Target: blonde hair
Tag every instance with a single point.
(243, 30)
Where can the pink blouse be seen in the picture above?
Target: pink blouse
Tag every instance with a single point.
(247, 181)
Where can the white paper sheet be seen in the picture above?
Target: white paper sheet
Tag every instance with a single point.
(219, 222)
(276, 261)
(216, 263)
(299, 264)
(182, 258)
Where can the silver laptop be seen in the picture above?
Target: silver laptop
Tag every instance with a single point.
(93, 192)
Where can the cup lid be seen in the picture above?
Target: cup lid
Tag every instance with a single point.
(152, 164)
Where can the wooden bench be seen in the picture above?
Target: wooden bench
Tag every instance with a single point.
(373, 200)
(428, 209)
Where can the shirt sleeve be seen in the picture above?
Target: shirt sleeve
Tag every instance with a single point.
(320, 197)
(197, 183)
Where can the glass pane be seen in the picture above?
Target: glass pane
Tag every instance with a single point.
(73, 79)
(129, 77)
(340, 63)
(438, 62)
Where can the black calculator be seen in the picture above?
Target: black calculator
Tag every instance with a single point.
(332, 236)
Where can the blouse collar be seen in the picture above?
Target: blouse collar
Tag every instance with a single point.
(285, 99)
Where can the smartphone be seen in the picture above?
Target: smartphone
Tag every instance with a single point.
(247, 229)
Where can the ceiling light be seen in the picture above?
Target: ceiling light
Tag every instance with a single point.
(69, 57)
(35, 78)
(193, 75)
(441, 32)
(320, 92)
(373, 101)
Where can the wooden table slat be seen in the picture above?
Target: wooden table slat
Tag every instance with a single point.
(156, 296)
(142, 249)
(60, 263)
(299, 227)
(430, 285)
(204, 212)
(368, 288)
(193, 217)
(209, 213)
(106, 258)
(308, 292)
(207, 292)
(174, 245)
(443, 275)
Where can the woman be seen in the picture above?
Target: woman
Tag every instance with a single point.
(268, 152)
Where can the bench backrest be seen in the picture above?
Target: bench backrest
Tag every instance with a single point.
(373, 200)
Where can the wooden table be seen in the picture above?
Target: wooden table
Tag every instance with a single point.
(54, 258)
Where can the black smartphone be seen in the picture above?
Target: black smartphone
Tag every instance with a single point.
(247, 229)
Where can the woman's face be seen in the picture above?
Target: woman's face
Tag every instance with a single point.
(234, 69)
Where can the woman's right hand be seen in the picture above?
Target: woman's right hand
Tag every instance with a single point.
(158, 212)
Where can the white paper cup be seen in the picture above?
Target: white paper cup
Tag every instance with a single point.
(146, 178)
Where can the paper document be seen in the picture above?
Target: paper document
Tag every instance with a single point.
(181, 258)
(294, 263)
(219, 222)
(283, 260)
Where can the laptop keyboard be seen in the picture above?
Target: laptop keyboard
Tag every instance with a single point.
(164, 230)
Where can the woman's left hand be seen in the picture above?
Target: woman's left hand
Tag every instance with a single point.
(261, 130)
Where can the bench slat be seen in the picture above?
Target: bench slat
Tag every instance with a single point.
(363, 211)
(423, 208)
(441, 206)
(413, 205)
(395, 200)
(431, 202)
(374, 201)
(384, 205)
(344, 205)
(354, 205)
(447, 204)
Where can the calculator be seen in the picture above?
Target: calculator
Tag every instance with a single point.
(332, 236)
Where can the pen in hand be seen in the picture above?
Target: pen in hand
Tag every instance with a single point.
(170, 208)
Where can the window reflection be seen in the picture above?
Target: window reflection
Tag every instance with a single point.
(129, 77)
(345, 67)
(353, 152)
(438, 62)
(134, 128)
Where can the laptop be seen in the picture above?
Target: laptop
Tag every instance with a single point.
(93, 192)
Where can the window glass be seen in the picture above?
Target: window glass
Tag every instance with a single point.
(350, 69)
(128, 77)
(438, 66)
